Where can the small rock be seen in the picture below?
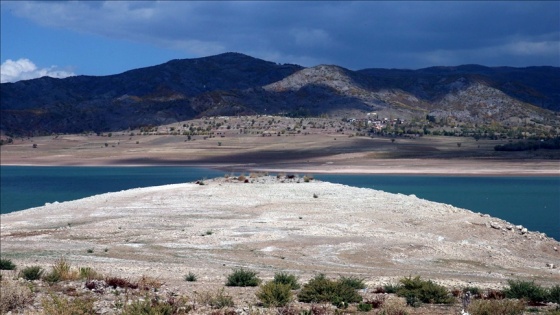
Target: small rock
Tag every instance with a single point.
(551, 266)
(519, 227)
(509, 227)
(555, 248)
(495, 225)
(524, 231)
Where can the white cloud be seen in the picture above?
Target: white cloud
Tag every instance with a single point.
(25, 69)
(528, 48)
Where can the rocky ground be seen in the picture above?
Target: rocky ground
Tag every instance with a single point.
(269, 224)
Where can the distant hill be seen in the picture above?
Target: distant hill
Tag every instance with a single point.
(236, 84)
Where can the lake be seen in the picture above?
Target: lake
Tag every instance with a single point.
(533, 202)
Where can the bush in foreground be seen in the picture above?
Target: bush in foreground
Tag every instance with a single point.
(554, 294)
(191, 277)
(6, 264)
(243, 278)
(416, 290)
(526, 290)
(31, 273)
(274, 294)
(353, 282)
(496, 307)
(61, 271)
(320, 289)
(286, 278)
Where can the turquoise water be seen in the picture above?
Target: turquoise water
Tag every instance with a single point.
(23, 187)
(533, 202)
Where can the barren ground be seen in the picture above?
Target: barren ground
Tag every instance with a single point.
(310, 150)
(271, 225)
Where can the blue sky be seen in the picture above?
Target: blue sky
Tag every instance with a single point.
(62, 38)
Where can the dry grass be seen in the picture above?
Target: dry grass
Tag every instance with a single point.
(55, 305)
(14, 296)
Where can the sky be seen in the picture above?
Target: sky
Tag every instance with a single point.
(65, 38)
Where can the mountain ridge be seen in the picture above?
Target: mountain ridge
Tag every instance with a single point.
(238, 84)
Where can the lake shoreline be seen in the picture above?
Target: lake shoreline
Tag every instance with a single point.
(405, 167)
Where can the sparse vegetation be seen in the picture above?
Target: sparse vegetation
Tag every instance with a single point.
(393, 306)
(320, 289)
(61, 271)
(286, 278)
(353, 282)
(417, 291)
(31, 273)
(14, 296)
(365, 307)
(191, 277)
(242, 278)
(554, 294)
(7, 264)
(154, 305)
(528, 145)
(496, 307)
(117, 282)
(55, 305)
(218, 300)
(527, 290)
(275, 294)
(391, 288)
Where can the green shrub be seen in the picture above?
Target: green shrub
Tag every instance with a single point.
(391, 288)
(416, 290)
(320, 289)
(243, 278)
(526, 290)
(496, 307)
(52, 277)
(286, 278)
(6, 264)
(190, 277)
(365, 307)
(275, 294)
(31, 273)
(61, 306)
(554, 294)
(353, 282)
(475, 291)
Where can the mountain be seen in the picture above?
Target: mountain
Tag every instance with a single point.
(236, 84)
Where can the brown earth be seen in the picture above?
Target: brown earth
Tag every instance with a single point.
(273, 148)
(269, 225)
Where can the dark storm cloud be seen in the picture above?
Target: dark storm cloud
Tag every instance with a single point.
(356, 35)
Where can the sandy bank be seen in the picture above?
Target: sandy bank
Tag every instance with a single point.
(271, 225)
